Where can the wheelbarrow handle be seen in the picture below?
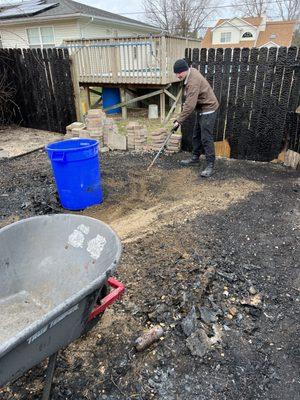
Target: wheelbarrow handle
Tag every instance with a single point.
(119, 289)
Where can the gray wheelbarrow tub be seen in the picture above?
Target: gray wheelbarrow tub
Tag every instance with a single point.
(51, 270)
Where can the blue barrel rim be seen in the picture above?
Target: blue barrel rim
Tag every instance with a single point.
(91, 145)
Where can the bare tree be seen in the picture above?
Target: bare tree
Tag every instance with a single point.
(288, 9)
(250, 8)
(191, 16)
(284, 9)
(159, 12)
(180, 17)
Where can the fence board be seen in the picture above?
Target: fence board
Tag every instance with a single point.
(203, 61)
(211, 66)
(218, 86)
(230, 134)
(248, 101)
(224, 95)
(293, 119)
(240, 123)
(50, 95)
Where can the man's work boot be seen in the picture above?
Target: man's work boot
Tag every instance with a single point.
(194, 160)
(208, 171)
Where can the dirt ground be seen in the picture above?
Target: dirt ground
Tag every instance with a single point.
(16, 140)
(214, 262)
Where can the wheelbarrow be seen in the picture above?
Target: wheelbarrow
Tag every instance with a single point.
(53, 273)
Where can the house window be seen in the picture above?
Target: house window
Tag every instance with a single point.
(273, 36)
(40, 37)
(247, 35)
(225, 37)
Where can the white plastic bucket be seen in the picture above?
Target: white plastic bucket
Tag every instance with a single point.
(153, 111)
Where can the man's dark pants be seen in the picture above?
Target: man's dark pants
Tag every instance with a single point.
(203, 136)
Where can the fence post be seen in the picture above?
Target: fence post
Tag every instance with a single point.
(75, 82)
(163, 61)
(123, 99)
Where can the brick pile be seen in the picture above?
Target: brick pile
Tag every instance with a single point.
(141, 139)
(106, 131)
(133, 135)
(157, 138)
(95, 119)
(93, 127)
(174, 142)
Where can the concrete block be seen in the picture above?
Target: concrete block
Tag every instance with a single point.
(78, 125)
(116, 141)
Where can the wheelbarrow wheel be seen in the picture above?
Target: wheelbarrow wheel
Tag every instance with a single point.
(90, 324)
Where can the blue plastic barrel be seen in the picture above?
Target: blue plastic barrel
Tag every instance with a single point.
(110, 97)
(76, 169)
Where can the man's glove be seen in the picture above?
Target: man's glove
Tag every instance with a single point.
(175, 126)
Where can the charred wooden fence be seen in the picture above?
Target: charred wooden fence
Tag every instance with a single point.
(42, 88)
(259, 92)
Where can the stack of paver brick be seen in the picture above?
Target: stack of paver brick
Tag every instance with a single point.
(134, 135)
(94, 121)
(174, 142)
(158, 138)
(141, 139)
(93, 127)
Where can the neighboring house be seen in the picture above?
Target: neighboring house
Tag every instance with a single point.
(249, 32)
(47, 23)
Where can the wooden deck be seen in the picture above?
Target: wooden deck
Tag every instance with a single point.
(146, 60)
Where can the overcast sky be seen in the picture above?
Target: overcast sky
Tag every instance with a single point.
(118, 6)
(136, 6)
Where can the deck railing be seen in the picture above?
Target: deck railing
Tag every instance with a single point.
(131, 60)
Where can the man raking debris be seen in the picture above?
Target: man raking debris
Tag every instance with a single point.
(199, 97)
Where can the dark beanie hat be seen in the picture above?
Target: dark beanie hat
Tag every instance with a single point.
(180, 66)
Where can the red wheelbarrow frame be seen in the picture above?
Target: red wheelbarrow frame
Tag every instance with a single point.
(119, 289)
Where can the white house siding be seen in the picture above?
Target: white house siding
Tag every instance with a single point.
(15, 35)
(245, 27)
(94, 30)
(235, 34)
